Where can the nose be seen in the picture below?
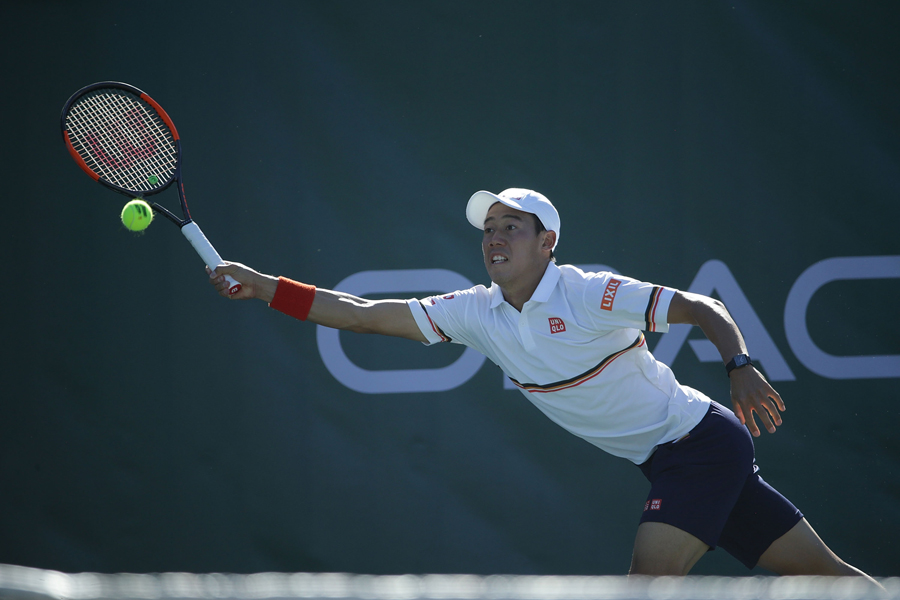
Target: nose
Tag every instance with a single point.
(495, 239)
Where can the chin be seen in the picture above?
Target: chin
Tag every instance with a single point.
(497, 277)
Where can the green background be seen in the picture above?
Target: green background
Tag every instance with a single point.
(148, 425)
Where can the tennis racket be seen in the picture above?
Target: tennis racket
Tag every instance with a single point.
(124, 140)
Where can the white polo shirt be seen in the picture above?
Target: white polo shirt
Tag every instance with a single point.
(578, 353)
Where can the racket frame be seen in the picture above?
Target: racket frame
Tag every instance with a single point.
(187, 225)
(176, 175)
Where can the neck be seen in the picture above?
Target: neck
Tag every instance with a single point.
(519, 292)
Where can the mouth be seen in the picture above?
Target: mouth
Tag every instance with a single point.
(498, 258)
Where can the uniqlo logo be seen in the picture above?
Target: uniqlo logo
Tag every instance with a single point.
(557, 325)
(655, 504)
(610, 294)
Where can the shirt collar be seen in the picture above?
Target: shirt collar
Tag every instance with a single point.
(541, 293)
(547, 284)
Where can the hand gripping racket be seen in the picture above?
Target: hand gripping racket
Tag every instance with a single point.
(123, 139)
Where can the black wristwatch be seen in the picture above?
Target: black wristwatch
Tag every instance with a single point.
(741, 360)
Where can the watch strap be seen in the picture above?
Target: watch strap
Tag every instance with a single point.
(740, 360)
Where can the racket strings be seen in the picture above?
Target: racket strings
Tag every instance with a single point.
(123, 140)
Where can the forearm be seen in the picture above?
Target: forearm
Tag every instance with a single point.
(716, 323)
(345, 311)
(308, 303)
(713, 319)
(750, 392)
(323, 307)
(340, 310)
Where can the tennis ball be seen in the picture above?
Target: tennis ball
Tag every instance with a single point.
(137, 215)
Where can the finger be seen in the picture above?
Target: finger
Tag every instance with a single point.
(763, 411)
(772, 409)
(777, 398)
(226, 268)
(773, 403)
(221, 284)
(739, 413)
(750, 422)
(743, 410)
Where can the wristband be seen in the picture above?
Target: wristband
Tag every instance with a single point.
(293, 298)
(741, 360)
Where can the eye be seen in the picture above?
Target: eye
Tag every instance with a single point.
(511, 227)
(488, 230)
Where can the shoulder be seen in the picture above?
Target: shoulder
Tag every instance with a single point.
(574, 278)
(475, 295)
(451, 317)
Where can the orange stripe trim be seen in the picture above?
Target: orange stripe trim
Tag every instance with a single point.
(651, 309)
(579, 379)
(655, 306)
(434, 327)
(658, 302)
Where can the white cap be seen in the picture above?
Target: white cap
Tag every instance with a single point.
(525, 200)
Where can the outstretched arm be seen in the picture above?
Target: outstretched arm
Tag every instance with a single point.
(750, 392)
(329, 308)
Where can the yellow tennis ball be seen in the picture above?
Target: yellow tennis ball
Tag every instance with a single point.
(137, 215)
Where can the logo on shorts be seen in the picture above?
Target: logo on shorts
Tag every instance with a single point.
(655, 504)
(610, 294)
(556, 325)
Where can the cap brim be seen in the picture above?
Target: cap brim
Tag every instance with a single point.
(480, 203)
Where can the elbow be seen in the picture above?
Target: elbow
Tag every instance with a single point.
(718, 305)
(698, 308)
(710, 309)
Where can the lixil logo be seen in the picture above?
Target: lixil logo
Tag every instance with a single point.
(610, 294)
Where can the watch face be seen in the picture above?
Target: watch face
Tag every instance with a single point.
(738, 361)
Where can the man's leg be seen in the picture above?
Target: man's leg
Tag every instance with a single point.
(694, 483)
(661, 549)
(801, 551)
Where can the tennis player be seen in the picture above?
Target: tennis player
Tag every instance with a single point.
(572, 342)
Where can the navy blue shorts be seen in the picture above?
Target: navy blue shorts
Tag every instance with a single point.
(707, 485)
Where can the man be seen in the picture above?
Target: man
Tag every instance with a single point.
(572, 342)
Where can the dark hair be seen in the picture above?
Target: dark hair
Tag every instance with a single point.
(538, 228)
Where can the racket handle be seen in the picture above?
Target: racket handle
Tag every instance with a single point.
(209, 255)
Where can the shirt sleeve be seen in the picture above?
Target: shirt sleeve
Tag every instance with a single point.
(450, 317)
(429, 329)
(615, 301)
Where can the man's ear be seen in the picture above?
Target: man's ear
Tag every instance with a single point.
(549, 240)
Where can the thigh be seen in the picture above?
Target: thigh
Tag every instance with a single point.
(661, 549)
(760, 516)
(696, 481)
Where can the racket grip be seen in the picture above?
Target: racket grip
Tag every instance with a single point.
(206, 251)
